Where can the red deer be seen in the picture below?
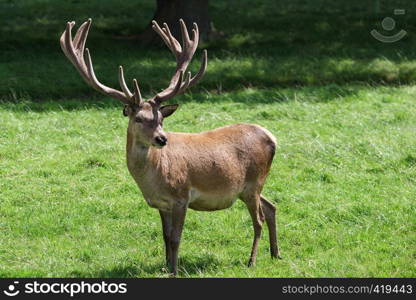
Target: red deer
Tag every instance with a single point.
(204, 171)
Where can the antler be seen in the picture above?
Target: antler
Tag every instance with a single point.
(74, 51)
(183, 55)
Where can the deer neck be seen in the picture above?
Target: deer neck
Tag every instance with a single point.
(140, 156)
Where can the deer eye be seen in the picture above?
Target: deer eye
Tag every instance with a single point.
(138, 120)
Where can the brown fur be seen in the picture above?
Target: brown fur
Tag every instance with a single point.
(206, 171)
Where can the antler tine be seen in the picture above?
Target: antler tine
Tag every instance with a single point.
(202, 69)
(70, 52)
(74, 51)
(123, 82)
(176, 46)
(82, 34)
(185, 35)
(195, 36)
(137, 95)
(183, 54)
(66, 42)
(62, 40)
(186, 83)
(191, 81)
(162, 34)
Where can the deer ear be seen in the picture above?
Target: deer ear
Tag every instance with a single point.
(167, 110)
(127, 110)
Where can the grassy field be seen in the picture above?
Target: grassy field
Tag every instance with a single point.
(341, 104)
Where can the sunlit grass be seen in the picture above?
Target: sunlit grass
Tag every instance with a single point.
(343, 180)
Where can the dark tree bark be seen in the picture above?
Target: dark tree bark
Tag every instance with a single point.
(170, 11)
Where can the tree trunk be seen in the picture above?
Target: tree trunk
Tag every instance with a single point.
(170, 11)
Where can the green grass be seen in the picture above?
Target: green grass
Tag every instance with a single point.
(341, 105)
(343, 180)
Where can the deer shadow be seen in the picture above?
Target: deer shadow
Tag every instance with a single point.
(187, 266)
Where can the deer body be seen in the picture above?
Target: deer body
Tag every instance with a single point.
(204, 171)
(208, 170)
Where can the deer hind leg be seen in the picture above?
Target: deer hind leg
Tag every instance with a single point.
(252, 202)
(270, 214)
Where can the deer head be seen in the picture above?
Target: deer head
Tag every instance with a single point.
(145, 117)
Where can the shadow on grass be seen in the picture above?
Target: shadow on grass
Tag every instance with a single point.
(188, 266)
(248, 96)
(272, 44)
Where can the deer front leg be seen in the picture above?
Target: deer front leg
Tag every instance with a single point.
(167, 228)
(178, 219)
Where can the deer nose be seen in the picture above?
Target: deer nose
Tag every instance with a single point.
(161, 140)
